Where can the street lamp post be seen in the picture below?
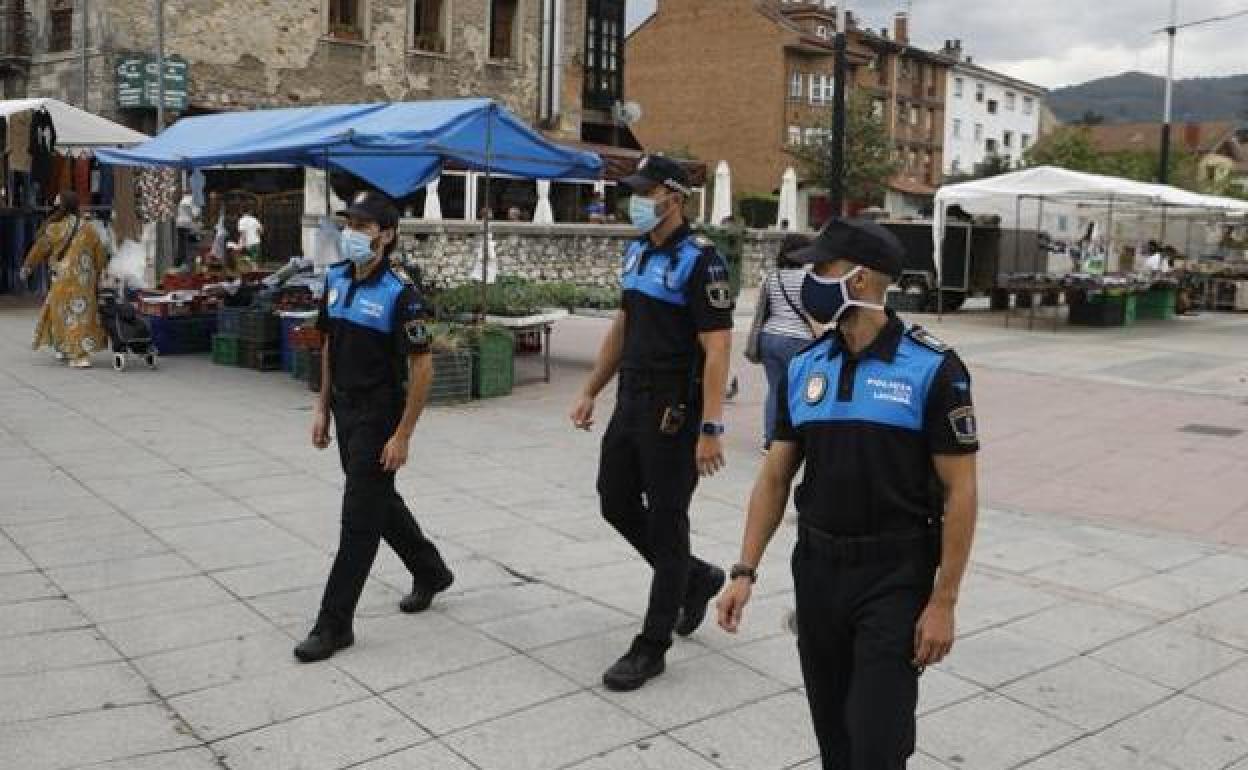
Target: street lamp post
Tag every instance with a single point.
(1163, 174)
(836, 193)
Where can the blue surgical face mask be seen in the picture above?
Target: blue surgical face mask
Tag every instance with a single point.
(355, 246)
(826, 299)
(643, 213)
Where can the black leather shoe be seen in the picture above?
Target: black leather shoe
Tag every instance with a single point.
(694, 611)
(321, 644)
(643, 662)
(422, 594)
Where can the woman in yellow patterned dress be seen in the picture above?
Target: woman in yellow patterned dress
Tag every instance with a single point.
(70, 321)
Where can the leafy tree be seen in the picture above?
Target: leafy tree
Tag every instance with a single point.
(1071, 148)
(868, 153)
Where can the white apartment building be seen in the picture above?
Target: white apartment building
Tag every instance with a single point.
(986, 114)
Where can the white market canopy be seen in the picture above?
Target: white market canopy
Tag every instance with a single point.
(76, 128)
(1004, 195)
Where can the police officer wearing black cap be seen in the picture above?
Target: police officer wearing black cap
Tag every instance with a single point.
(670, 344)
(375, 337)
(881, 415)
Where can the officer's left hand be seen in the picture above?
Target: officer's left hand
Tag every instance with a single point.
(394, 456)
(933, 636)
(710, 455)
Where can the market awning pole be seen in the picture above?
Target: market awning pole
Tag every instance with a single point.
(1109, 236)
(485, 220)
(1040, 229)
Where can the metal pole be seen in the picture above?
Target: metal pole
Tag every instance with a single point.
(836, 194)
(160, 66)
(485, 223)
(1163, 174)
(85, 68)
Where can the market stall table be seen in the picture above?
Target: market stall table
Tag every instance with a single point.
(542, 323)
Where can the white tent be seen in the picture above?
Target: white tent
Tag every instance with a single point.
(433, 203)
(721, 202)
(1019, 198)
(787, 210)
(76, 128)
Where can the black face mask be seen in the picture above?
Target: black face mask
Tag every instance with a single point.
(827, 299)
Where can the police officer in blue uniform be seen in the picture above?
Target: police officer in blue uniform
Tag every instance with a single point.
(881, 415)
(670, 344)
(375, 338)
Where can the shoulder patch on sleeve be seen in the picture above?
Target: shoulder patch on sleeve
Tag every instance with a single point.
(962, 421)
(719, 294)
(417, 333)
(928, 340)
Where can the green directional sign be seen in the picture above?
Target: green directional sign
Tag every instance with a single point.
(138, 85)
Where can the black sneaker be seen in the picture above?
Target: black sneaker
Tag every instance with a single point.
(321, 644)
(422, 593)
(694, 611)
(643, 662)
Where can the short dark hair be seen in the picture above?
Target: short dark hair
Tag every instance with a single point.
(791, 243)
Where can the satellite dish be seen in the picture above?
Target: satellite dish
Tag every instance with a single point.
(627, 113)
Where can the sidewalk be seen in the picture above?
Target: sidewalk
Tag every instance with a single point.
(164, 538)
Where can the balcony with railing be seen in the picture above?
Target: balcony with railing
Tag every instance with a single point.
(16, 33)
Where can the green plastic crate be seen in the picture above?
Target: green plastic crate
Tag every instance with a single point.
(225, 349)
(493, 365)
(452, 377)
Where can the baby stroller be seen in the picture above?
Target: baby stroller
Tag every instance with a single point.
(128, 333)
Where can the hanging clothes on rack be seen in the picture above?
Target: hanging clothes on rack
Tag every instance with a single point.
(126, 225)
(82, 177)
(42, 148)
(158, 194)
(198, 183)
(61, 177)
(104, 183)
(19, 141)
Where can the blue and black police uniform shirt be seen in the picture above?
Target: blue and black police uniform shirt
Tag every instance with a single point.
(867, 427)
(672, 293)
(373, 325)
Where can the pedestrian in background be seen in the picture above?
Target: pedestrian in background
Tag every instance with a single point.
(785, 329)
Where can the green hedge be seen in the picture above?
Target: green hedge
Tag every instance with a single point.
(512, 296)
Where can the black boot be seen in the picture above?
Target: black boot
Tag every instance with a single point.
(423, 592)
(322, 643)
(642, 662)
(699, 598)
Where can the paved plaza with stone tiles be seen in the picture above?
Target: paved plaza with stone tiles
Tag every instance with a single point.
(164, 538)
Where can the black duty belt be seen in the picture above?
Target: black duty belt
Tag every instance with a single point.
(653, 379)
(862, 549)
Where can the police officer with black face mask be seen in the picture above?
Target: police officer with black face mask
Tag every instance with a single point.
(670, 344)
(375, 338)
(881, 416)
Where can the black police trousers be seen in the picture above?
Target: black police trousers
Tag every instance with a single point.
(646, 481)
(372, 509)
(856, 617)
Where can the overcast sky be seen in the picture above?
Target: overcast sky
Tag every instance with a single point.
(1063, 42)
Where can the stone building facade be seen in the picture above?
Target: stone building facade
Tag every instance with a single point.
(246, 54)
(746, 80)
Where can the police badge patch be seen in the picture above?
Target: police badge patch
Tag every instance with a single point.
(816, 388)
(962, 421)
(719, 295)
(417, 335)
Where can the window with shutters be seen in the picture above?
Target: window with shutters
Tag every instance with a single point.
(430, 24)
(60, 25)
(504, 18)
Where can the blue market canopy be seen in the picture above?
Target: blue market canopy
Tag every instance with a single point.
(398, 147)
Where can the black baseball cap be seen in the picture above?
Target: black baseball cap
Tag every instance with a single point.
(860, 241)
(655, 170)
(373, 207)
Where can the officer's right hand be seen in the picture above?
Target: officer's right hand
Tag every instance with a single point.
(583, 412)
(320, 430)
(732, 603)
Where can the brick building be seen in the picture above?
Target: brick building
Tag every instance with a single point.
(744, 80)
(246, 54)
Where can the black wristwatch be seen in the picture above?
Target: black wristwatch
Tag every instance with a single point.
(744, 570)
(713, 428)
